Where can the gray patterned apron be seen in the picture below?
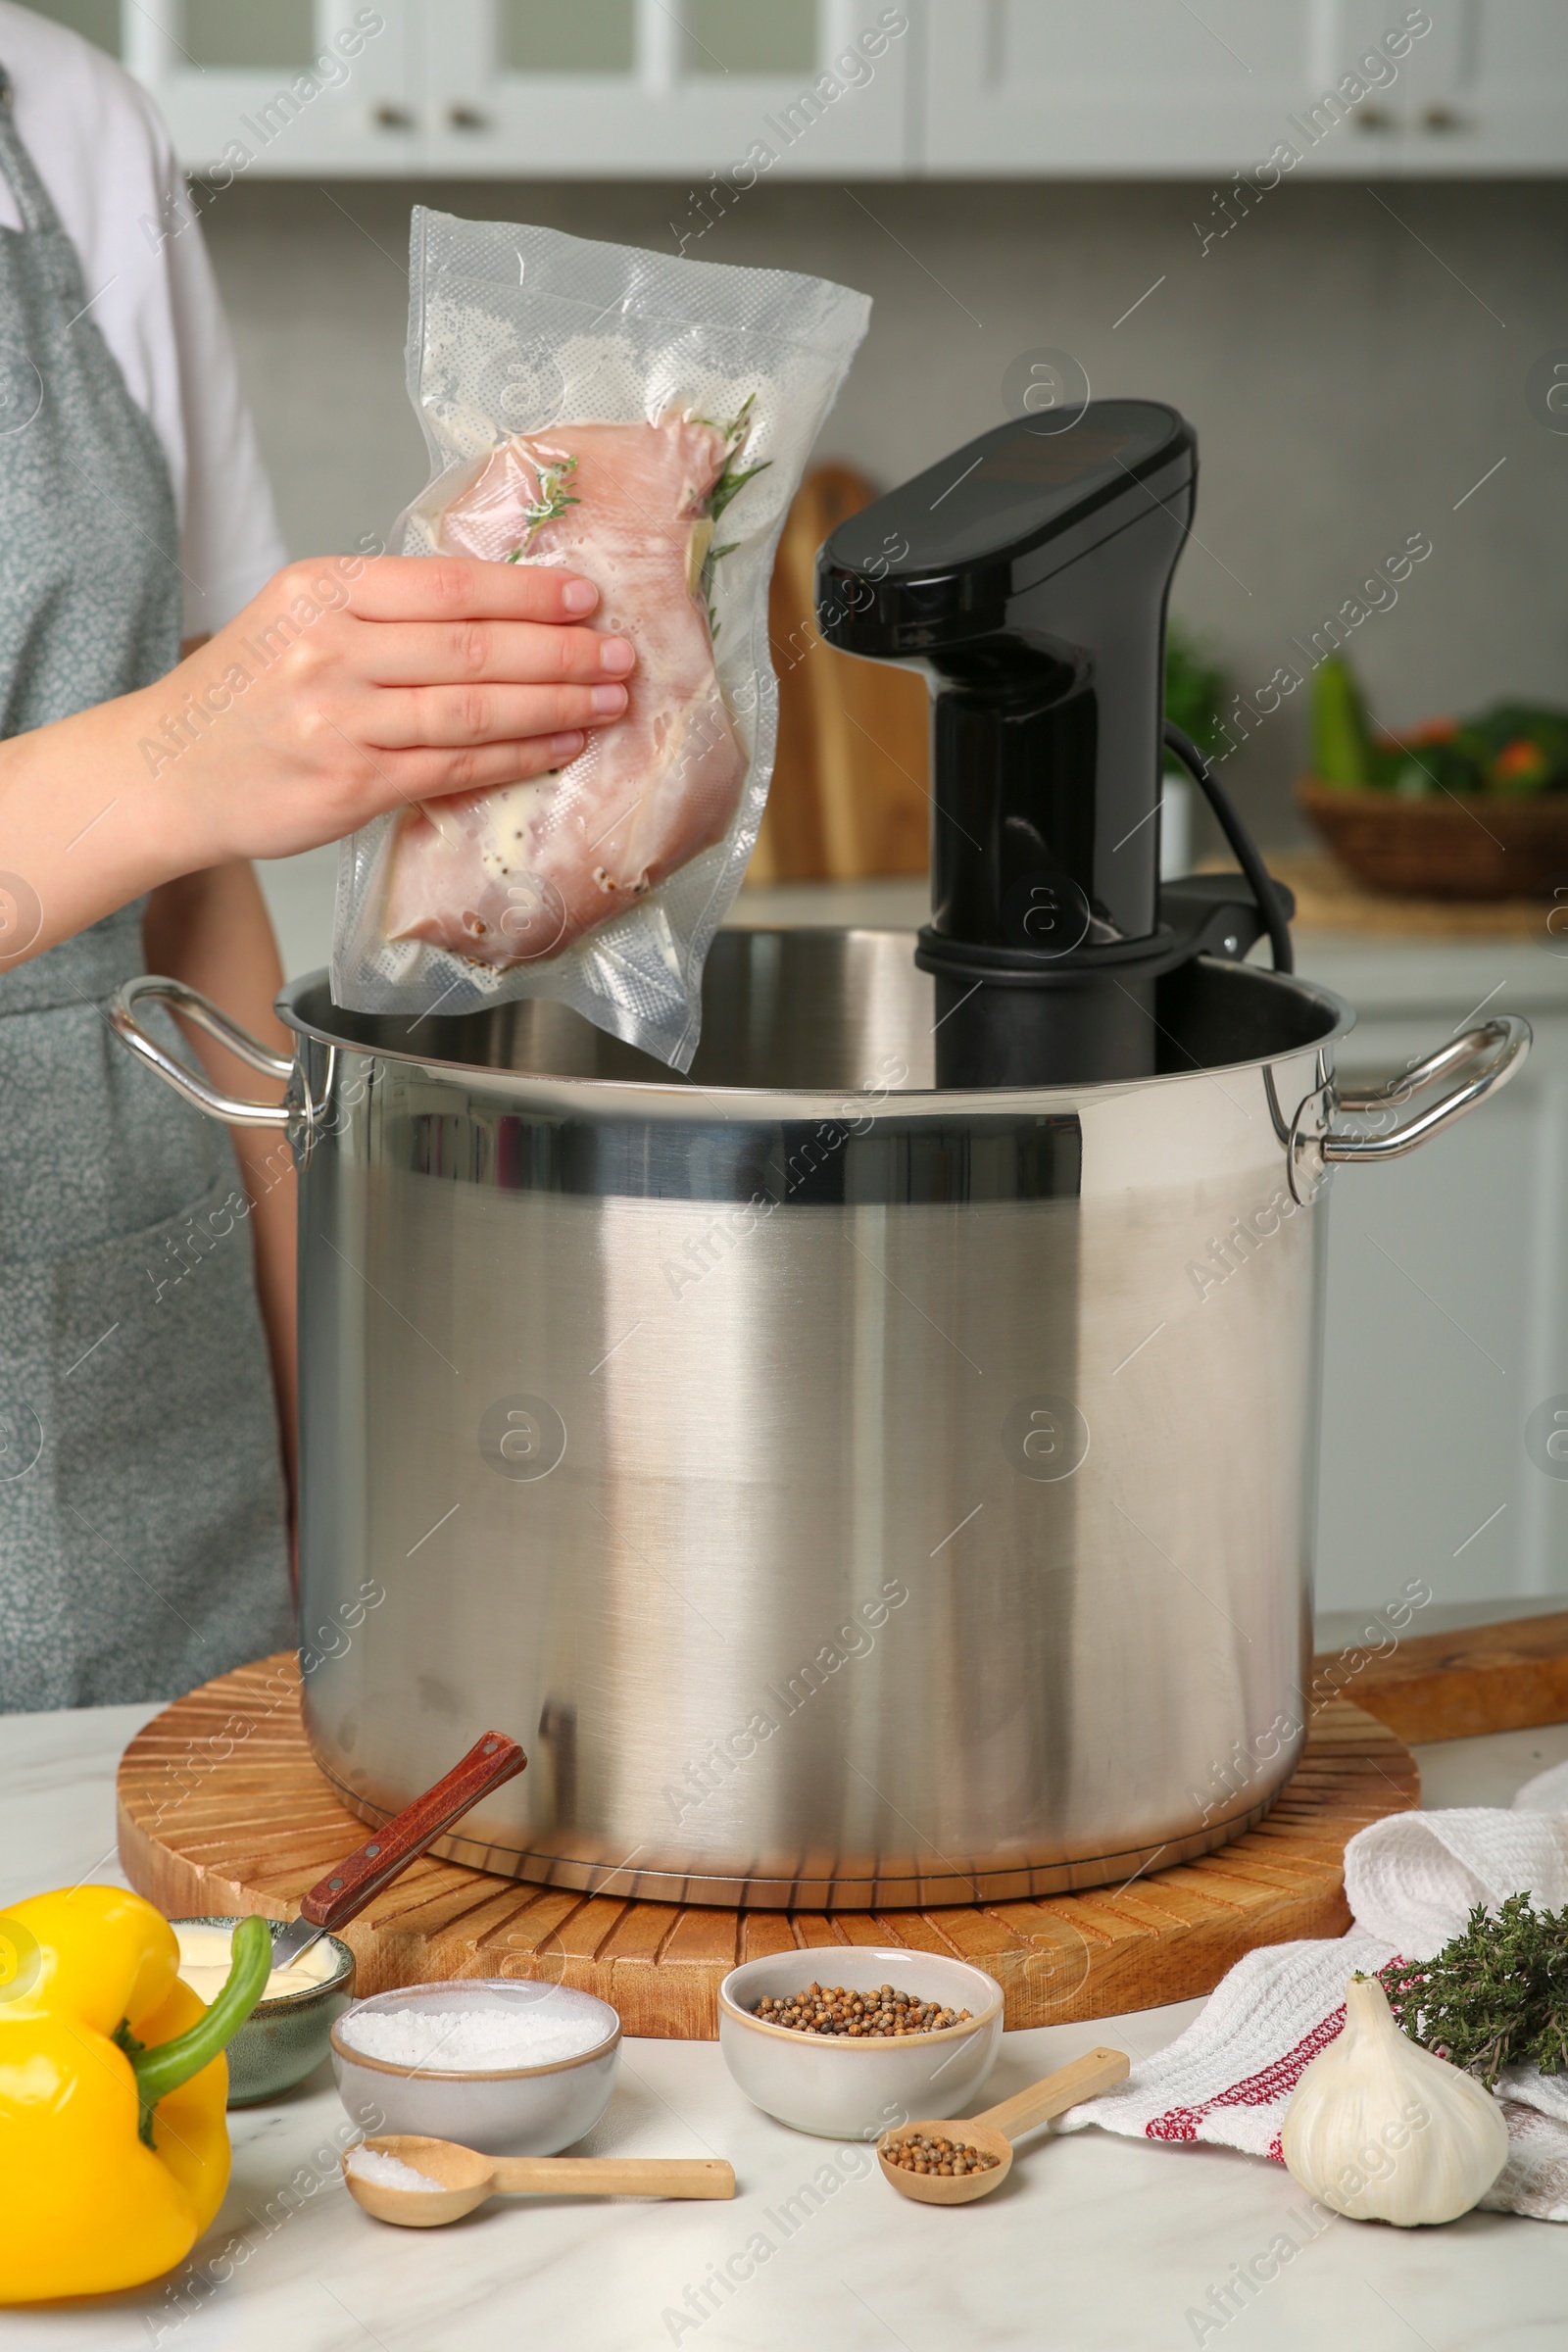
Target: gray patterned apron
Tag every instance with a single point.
(142, 1542)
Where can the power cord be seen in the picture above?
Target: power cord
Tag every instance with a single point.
(1243, 846)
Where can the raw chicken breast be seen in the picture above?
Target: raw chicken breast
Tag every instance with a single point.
(507, 878)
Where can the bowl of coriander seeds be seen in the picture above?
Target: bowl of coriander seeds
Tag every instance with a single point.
(848, 2040)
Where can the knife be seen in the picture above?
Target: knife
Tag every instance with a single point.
(343, 1894)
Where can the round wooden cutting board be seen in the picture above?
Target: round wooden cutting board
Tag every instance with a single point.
(221, 1810)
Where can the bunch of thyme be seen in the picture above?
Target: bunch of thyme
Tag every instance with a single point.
(1495, 1996)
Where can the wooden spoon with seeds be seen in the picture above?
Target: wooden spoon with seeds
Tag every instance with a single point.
(467, 2180)
(994, 2131)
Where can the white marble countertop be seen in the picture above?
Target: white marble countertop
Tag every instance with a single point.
(1092, 2241)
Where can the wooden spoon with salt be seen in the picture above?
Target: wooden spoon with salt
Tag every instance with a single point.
(994, 2129)
(469, 2180)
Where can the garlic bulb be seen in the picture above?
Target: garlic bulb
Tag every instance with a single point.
(1384, 2132)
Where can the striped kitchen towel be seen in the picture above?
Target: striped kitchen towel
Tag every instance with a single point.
(1412, 1881)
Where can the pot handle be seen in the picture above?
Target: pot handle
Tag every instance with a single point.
(1500, 1046)
(236, 1110)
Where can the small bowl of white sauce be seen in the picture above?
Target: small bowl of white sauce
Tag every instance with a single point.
(494, 2063)
(285, 2037)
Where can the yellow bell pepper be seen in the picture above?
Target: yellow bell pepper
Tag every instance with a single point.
(113, 2150)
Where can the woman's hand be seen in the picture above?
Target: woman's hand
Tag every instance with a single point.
(350, 687)
(347, 687)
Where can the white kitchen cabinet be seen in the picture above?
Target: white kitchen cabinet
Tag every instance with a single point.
(1445, 1328)
(1483, 91)
(1129, 87)
(1144, 88)
(294, 87)
(689, 89)
(622, 86)
(530, 87)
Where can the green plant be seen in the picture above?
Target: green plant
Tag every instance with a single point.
(1195, 688)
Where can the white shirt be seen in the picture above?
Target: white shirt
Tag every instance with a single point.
(98, 145)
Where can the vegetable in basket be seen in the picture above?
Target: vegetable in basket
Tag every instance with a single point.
(1511, 748)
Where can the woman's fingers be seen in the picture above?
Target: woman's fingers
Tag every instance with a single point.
(402, 779)
(402, 718)
(459, 588)
(429, 652)
(345, 693)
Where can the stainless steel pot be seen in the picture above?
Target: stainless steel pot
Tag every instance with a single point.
(850, 1493)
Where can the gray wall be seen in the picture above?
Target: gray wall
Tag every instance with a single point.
(1350, 375)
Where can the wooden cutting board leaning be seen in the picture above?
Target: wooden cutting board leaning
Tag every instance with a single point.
(850, 796)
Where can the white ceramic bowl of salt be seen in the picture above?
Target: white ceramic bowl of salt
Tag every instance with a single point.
(495, 2063)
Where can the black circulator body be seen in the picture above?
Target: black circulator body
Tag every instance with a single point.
(1027, 576)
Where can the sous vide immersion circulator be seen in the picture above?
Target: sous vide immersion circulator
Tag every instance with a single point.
(1027, 576)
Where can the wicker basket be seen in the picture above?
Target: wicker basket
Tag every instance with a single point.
(1469, 846)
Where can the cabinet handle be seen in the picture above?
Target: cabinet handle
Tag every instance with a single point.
(386, 117)
(1374, 117)
(1443, 117)
(468, 118)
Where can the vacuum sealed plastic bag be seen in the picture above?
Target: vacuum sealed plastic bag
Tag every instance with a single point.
(644, 422)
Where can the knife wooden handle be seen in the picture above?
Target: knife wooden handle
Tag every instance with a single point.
(361, 1876)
